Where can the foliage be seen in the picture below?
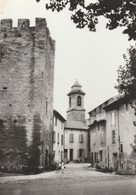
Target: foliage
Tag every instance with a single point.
(127, 81)
(34, 151)
(127, 77)
(119, 13)
(133, 146)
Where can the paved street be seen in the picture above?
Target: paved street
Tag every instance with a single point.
(78, 179)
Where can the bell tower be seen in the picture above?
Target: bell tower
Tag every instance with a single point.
(76, 111)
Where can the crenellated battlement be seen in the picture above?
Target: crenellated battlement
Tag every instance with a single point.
(7, 30)
(40, 22)
(6, 24)
(22, 24)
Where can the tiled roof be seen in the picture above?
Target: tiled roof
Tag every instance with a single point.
(76, 125)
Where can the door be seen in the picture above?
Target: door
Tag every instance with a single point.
(71, 154)
(46, 159)
(65, 155)
(115, 161)
(92, 159)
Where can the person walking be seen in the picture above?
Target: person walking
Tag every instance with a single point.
(62, 167)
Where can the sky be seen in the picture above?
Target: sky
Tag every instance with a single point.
(90, 57)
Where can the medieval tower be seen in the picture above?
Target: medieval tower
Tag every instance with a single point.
(26, 95)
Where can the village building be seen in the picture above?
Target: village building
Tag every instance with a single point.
(111, 133)
(58, 137)
(97, 135)
(76, 131)
(26, 95)
(120, 134)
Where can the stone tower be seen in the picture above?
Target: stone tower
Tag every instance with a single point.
(76, 111)
(26, 95)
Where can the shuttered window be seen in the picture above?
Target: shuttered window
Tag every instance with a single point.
(113, 118)
(113, 136)
(61, 139)
(55, 121)
(58, 138)
(81, 138)
(71, 138)
(54, 137)
(121, 147)
(78, 100)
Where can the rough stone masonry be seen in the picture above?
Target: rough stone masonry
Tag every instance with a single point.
(26, 95)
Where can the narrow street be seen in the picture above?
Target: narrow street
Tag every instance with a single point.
(78, 179)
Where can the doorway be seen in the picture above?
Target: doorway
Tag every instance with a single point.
(71, 154)
(65, 155)
(115, 161)
(92, 159)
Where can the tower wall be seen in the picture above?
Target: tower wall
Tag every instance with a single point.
(26, 94)
(75, 112)
(74, 101)
(76, 115)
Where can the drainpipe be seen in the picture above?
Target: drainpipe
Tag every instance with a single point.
(119, 139)
(64, 142)
(108, 159)
(89, 148)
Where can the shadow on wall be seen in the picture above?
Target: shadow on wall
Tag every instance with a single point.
(13, 147)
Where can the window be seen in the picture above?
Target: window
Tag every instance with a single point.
(62, 155)
(113, 137)
(100, 155)
(135, 138)
(121, 147)
(15, 120)
(58, 138)
(81, 138)
(78, 100)
(71, 138)
(95, 157)
(42, 146)
(80, 153)
(54, 136)
(46, 107)
(113, 118)
(61, 139)
(65, 153)
(4, 88)
(127, 107)
(55, 121)
(69, 101)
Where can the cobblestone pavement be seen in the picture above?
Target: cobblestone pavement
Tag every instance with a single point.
(77, 179)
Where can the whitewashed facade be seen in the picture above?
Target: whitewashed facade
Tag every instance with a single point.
(111, 133)
(58, 136)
